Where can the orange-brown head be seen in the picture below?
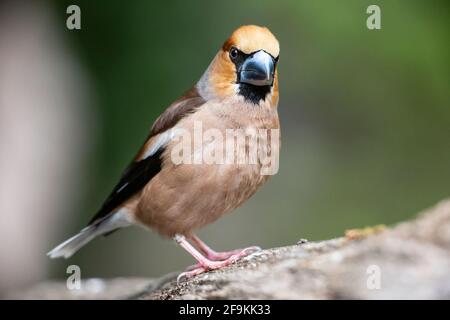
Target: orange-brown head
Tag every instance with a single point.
(245, 66)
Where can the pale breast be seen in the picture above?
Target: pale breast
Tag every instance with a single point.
(203, 178)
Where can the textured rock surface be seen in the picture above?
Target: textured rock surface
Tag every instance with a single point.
(412, 260)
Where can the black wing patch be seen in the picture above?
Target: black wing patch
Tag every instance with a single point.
(134, 178)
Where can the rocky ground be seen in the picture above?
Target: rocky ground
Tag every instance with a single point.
(408, 261)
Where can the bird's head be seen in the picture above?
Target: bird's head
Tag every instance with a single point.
(245, 67)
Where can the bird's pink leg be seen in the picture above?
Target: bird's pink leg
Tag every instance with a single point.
(204, 264)
(219, 256)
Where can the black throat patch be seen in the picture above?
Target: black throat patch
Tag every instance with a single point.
(253, 94)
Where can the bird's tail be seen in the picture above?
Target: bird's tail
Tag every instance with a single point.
(104, 226)
(72, 245)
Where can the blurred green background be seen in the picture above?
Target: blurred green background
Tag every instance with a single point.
(365, 116)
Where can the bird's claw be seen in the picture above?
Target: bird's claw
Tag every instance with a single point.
(190, 273)
(251, 250)
(219, 256)
(200, 268)
(197, 269)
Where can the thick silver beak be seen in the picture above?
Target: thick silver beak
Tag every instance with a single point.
(257, 69)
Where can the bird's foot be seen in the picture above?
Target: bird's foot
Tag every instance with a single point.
(208, 259)
(191, 272)
(216, 261)
(219, 256)
(208, 265)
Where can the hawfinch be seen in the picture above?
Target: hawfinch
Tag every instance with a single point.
(187, 173)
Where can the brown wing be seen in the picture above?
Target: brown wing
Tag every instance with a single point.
(177, 110)
(141, 171)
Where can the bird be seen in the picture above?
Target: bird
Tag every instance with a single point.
(238, 91)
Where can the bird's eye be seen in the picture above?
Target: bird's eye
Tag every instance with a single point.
(234, 53)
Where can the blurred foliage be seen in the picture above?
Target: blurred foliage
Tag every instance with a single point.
(365, 114)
